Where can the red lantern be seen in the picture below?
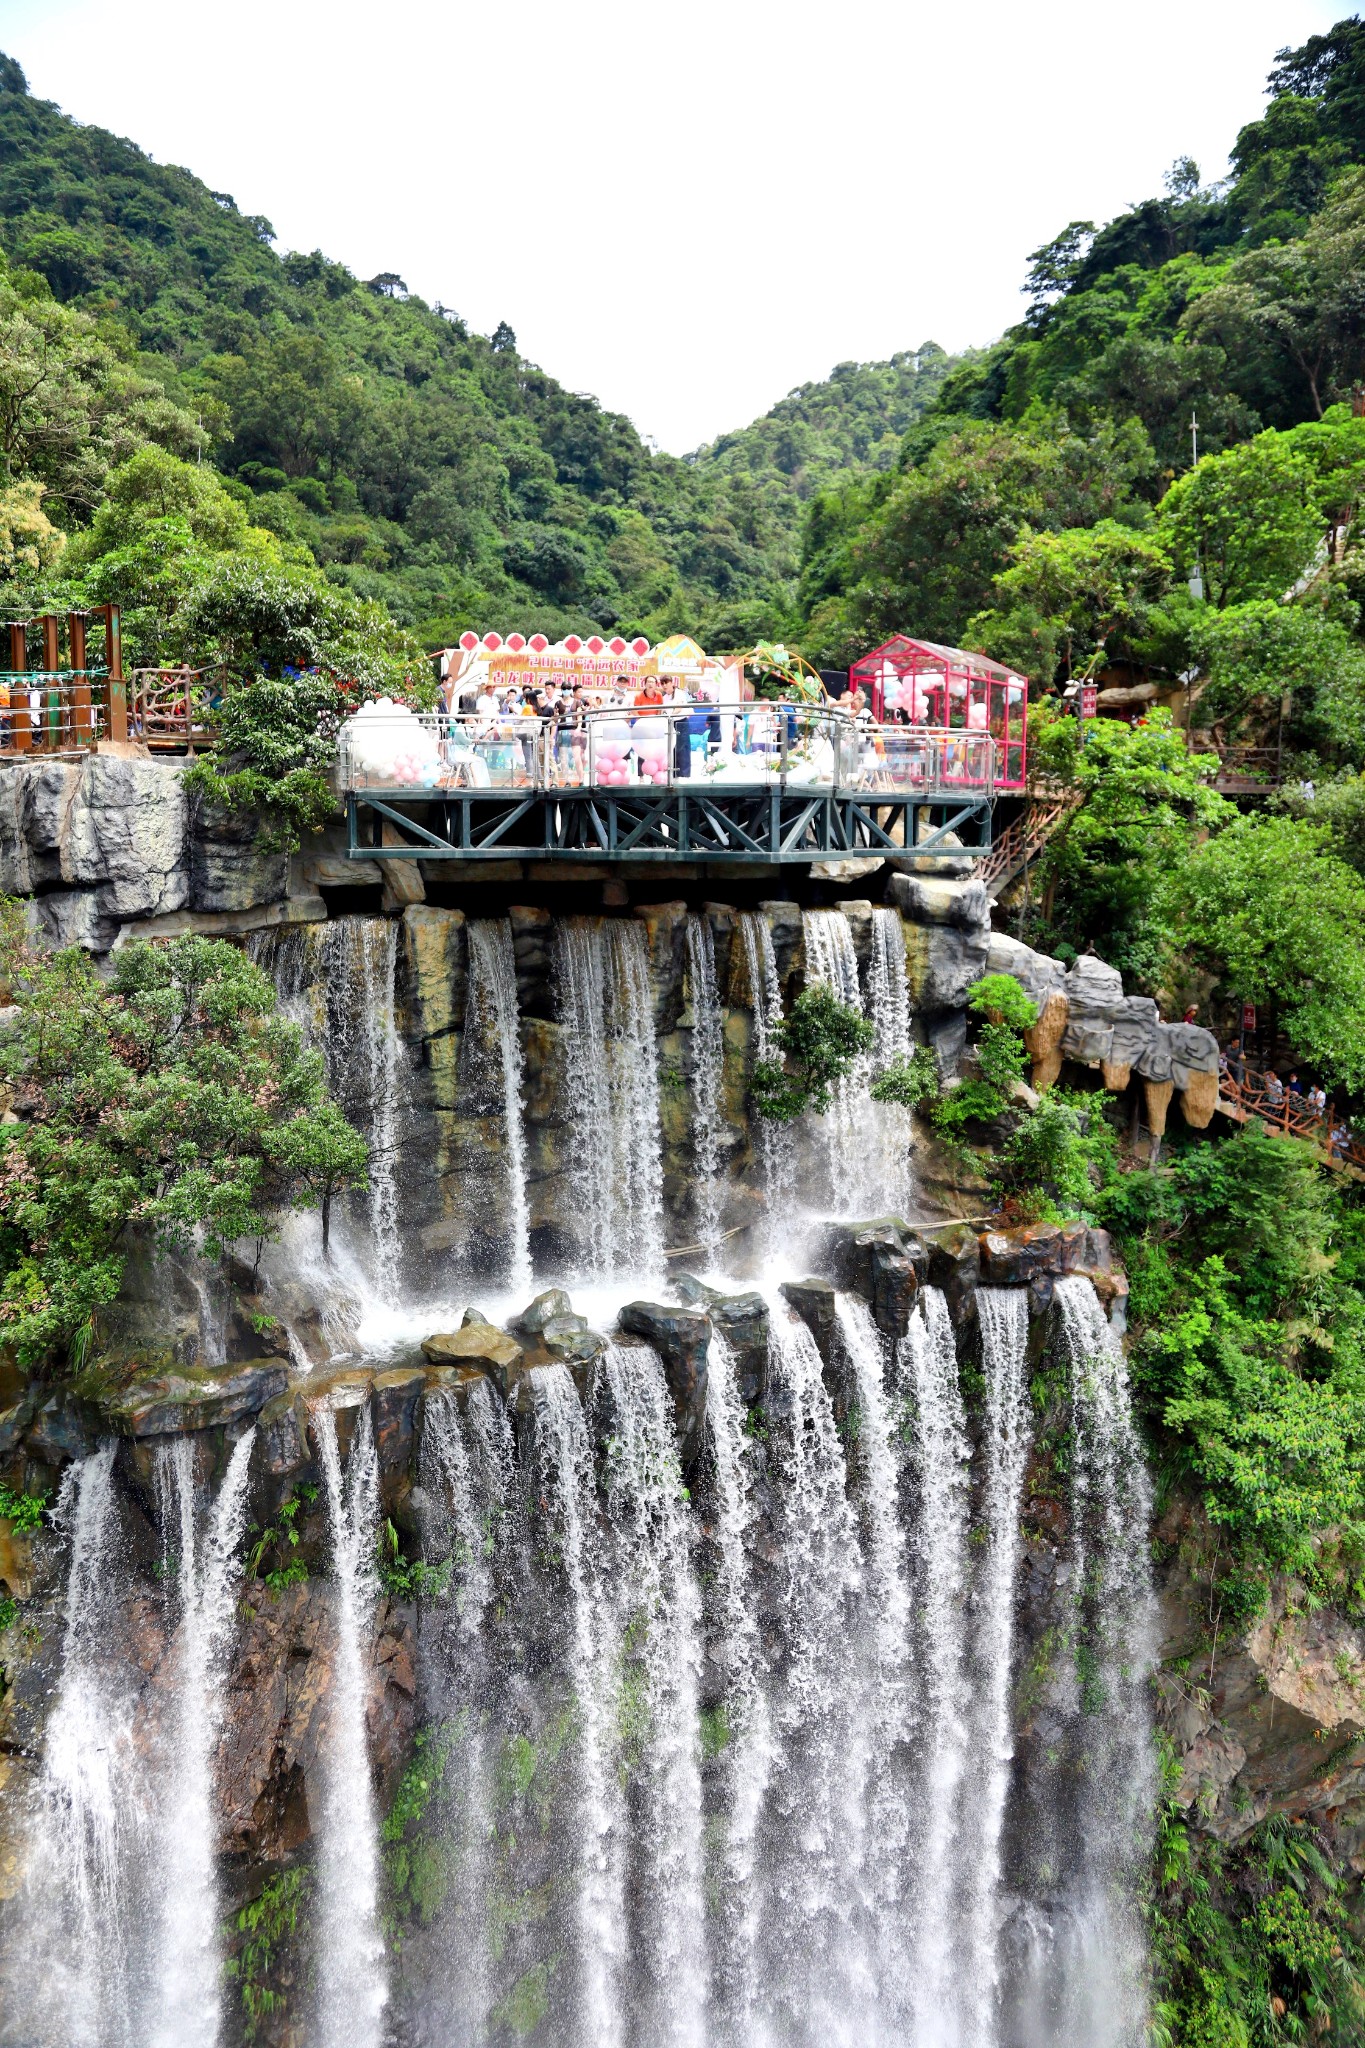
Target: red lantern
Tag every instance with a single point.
(515, 643)
(469, 641)
(572, 644)
(492, 641)
(538, 643)
(640, 646)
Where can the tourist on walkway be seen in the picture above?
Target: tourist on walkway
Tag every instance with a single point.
(1274, 1090)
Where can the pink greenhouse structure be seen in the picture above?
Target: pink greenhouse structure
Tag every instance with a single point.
(946, 688)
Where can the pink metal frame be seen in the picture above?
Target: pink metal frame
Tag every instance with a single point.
(952, 681)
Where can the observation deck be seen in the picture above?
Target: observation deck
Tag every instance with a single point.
(738, 783)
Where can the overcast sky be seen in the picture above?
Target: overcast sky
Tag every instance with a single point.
(684, 210)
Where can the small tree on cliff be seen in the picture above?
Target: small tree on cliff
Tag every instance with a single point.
(171, 1097)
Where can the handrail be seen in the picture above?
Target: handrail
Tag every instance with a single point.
(1251, 1094)
(693, 746)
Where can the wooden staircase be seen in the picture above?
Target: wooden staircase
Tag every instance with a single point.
(1021, 842)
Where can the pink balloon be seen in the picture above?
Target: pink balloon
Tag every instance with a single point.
(978, 717)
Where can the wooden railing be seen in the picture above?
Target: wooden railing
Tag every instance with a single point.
(1249, 769)
(54, 711)
(173, 707)
(1021, 842)
(1264, 1096)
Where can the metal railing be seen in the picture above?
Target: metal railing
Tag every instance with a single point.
(701, 746)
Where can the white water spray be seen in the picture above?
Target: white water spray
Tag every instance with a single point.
(708, 1062)
(188, 1998)
(611, 1091)
(491, 1069)
(352, 1990)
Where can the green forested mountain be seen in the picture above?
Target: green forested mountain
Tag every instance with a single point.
(417, 464)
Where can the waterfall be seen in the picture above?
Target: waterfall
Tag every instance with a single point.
(708, 1062)
(611, 1091)
(1003, 1318)
(886, 1677)
(1102, 1955)
(465, 1470)
(928, 1363)
(351, 1983)
(657, 1614)
(84, 1972)
(564, 1475)
(734, 1627)
(816, 1965)
(338, 983)
(830, 959)
(187, 1965)
(888, 1005)
(491, 1075)
(773, 1142)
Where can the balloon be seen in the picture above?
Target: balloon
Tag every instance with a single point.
(650, 736)
(978, 717)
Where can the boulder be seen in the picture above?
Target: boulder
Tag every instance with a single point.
(431, 952)
(1011, 1258)
(479, 1344)
(932, 900)
(955, 1268)
(127, 832)
(680, 1336)
(77, 917)
(742, 1319)
(16, 858)
(1136, 1023)
(814, 1301)
(164, 1404)
(943, 962)
(395, 1397)
(551, 1306)
(230, 866)
(1036, 973)
(281, 1455)
(47, 790)
(946, 1037)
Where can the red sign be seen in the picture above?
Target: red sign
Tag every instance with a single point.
(1090, 700)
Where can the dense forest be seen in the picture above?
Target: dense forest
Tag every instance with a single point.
(267, 461)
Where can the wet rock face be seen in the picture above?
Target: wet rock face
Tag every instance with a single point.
(278, 1691)
(167, 1404)
(814, 1301)
(742, 1319)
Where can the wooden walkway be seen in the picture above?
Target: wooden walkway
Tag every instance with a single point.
(1021, 842)
(1291, 1117)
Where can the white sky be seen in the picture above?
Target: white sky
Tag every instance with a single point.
(684, 211)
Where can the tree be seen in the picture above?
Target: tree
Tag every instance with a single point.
(1139, 799)
(1277, 915)
(1256, 655)
(1250, 519)
(170, 1098)
(1299, 306)
(1066, 594)
(821, 1039)
(30, 545)
(72, 407)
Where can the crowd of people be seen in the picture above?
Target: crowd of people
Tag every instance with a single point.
(1302, 1103)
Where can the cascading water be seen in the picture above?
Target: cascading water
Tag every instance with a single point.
(773, 1141)
(888, 1006)
(1003, 1317)
(491, 1079)
(831, 959)
(564, 1474)
(611, 1091)
(338, 983)
(733, 1624)
(86, 1975)
(649, 1584)
(352, 1990)
(187, 1996)
(1098, 1967)
(708, 1060)
(941, 1454)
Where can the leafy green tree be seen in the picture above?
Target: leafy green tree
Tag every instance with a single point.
(1295, 307)
(1139, 800)
(820, 1038)
(1066, 594)
(1249, 519)
(72, 405)
(1257, 655)
(1277, 915)
(30, 545)
(171, 1099)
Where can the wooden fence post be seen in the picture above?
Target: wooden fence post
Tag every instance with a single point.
(21, 722)
(118, 688)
